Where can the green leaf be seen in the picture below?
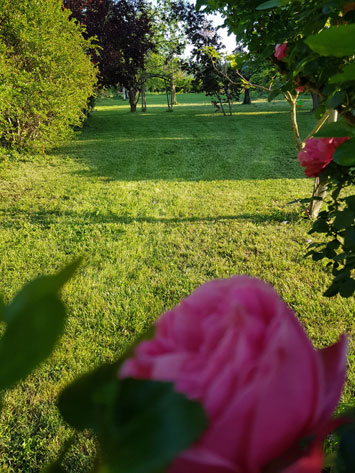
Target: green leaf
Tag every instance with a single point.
(346, 289)
(35, 320)
(344, 155)
(141, 425)
(88, 400)
(317, 256)
(2, 309)
(319, 112)
(269, 4)
(338, 129)
(350, 201)
(332, 290)
(344, 219)
(273, 94)
(336, 41)
(347, 74)
(333, 245)
(337, 99)
(345, 460)
(349, 238)
(320, 226)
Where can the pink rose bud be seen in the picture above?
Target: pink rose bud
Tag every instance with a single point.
(317, 154)
(280, 51)
(237, 348)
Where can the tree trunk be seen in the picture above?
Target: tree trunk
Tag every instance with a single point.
(173, 91)
(222, 108)
(168, 100)
(320, 187)
(133, 95)
(316, 99)
(247, 98)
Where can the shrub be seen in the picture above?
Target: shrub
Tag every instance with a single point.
(46, 75)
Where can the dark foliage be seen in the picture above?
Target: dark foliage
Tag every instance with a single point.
(124, 31)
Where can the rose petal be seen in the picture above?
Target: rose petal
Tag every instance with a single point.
(333, 361)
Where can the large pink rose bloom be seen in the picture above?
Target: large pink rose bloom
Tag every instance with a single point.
(236, 347)
(317, 154)
(280, 51)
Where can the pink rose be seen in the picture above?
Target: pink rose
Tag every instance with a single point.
(236, 347)
(317, 154)
(280, 51)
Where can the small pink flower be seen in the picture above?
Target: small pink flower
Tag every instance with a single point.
(317, 154)
(236, 347)
(280, 51)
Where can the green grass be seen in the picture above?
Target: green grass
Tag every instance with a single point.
(157, 203)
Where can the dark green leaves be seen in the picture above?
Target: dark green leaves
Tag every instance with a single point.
(347, 288)
(347, 74)
(336, 41)
(269, 4)
(337, 99)
(89, 400)
(345, 460)
(35, 320)
(344, 219)
(345, 153)
(141, 425)
(338, 129)
(272, 4)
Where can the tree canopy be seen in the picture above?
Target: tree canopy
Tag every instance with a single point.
(124, 31)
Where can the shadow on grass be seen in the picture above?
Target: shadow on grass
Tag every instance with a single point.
(122, 146)
(50, 217)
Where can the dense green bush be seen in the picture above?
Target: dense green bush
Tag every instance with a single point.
(46, 75)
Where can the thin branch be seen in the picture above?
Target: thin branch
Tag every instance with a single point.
(231, 81)
(292, 100)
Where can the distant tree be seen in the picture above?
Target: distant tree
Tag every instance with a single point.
(124, 31)
(170, 40)
(200, 34)
(46, 75)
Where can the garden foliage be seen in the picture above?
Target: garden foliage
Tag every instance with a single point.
(311, 44)
(46, 75)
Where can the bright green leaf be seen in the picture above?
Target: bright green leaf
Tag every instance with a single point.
(336, 41)
(345, 153)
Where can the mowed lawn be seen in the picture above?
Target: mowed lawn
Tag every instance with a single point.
(157, 203)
